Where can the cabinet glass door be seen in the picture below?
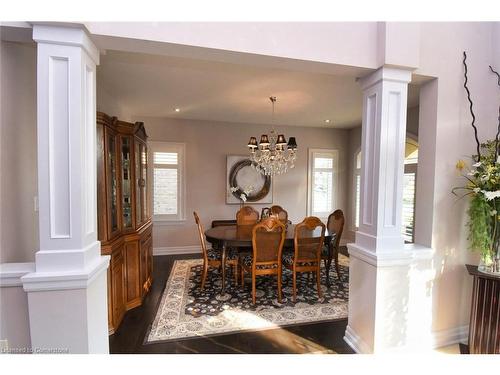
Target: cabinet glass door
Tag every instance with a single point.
(144, 174)
(126, 183)
(112, 183)
(138, 199)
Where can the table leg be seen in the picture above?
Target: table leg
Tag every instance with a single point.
(223, 261)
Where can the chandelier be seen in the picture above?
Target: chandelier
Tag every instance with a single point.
(273, 155)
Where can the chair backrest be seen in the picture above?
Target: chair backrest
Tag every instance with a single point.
(268, 238)
(201, 234)
(335, 225)
(280, 213)
(247, 216)
(308, 239)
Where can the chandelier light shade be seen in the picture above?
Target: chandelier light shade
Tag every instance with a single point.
(273, 156)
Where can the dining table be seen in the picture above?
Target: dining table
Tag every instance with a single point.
(240, 237)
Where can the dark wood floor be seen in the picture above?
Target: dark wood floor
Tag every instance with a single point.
(129, 338)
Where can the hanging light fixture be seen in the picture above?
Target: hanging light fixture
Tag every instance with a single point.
(273, 155)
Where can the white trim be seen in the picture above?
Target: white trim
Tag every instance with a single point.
(355, 342)
(439, 339)
(335, 177)
(66, 35)
(450, 336)
(11, 273)
(410, 253)
(163, 223)
(174, 250)
(51, 281)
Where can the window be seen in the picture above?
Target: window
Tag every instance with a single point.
(322, 181)
(409, 186)
(357, 186)
(168, 181)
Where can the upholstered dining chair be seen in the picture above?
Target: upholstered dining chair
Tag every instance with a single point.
(307, 251)
(268, 237)
(335, 227)
(213, 257)
(280, 213)
(247, 216)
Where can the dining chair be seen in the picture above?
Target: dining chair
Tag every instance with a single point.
(247, 216)
(268, 237)
(307, 251)
(280, 213)
(213, 257)
(335, 225)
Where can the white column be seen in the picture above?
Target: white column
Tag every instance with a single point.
(67, 292)
(379, 279)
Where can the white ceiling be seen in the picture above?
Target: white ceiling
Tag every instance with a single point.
(154, 85)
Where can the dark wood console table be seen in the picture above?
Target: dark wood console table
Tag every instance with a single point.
(484, 328)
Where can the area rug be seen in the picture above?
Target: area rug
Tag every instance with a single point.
(187, 312)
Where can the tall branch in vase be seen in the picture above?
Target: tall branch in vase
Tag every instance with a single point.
(498, 127)
(478, 145)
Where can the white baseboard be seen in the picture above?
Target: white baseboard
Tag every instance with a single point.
(450, 336)
(355, 342)
(174, 250)
(439, 339)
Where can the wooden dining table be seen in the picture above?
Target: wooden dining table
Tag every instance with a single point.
(240, 236)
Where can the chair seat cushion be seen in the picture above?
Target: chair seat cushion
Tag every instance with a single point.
(247, 259)
(288, 260)
(216, 254)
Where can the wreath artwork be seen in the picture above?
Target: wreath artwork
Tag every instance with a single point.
(247, 192)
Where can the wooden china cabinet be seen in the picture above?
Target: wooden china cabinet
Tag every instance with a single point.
(125, 228)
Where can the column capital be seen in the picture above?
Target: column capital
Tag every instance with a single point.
(385, 73)
(67, 35)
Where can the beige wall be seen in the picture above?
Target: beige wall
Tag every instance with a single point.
(208, 144)
(18, 148)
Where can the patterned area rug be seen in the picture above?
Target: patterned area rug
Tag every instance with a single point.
(186, 312)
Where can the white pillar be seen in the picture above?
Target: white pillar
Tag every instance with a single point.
(67, 293)
(379, 262)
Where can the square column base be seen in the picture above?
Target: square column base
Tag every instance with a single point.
(68, 311)
(390, 306)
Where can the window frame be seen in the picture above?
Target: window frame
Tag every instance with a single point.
(180, 149)
(335, 173)
(355, 173)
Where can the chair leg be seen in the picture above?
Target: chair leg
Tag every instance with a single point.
(336, 256)
(294, 285)
(318, 281)
(280, 296)
(204, 275)
(242, 277)
(328, 263)
(235, 270)
(253, 288)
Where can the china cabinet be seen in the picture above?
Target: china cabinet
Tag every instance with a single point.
(124, 218)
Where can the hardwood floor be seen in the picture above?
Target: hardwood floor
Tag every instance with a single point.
(310, 338)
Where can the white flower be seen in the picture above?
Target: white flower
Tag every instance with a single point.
(233, 189)
(498, 159)
(493, 212)
(478, 164)
(471, 173)
(243, 197)
(490, 195)
(476, 190)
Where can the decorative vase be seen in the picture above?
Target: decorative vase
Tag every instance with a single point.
(490, 263)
